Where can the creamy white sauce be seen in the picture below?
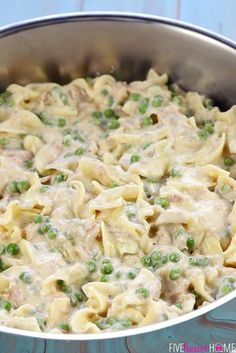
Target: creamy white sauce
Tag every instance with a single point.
(119, 201)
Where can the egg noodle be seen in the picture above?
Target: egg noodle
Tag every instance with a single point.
(117, 204)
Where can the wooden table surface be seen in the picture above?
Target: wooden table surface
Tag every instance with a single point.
(220, 324)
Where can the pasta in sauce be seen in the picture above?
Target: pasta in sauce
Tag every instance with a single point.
(117, 204)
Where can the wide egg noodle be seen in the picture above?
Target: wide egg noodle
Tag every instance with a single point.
(117, 204)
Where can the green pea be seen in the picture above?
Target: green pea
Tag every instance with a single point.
(77, 136)
(177, 99)
(113, 124)
(194, 261)
(3, 266)
(53, 233)
(174, 257)
(13, 186)
(26, 277)
(135, 97)
(165, 317)
(114, 185)
(5, 304)
(42, 323)
(189, 114)
(23, 185)
(153, 180)
(127, 146)
(179, 305)
(19, 186)
(104, 92)
(147, 121)
(202, 134)
(104, 278)
(143, 291)
(60, 283)
(44, 228)
(203, 261)
(109, 113)
(134, 158)
(156, 259)
(92, 265)
(118, 275)
(61, 286)
(2, 249)
(106, 323)
(147, 191)
(155, 256)
(61, 122)
(226, 188)
(209, 127)
(66, 289)
(146, 261)
(208, 103)
(79, 151)
(67, 131)
(89, 80)
(44, 118)
(199, 261)
(227, 288)
(73, 300)
(46, 219)
(175, 273)
(163, 202)
(131, 275)
(64, 98)
(60, 178)
(13, 249)
(195, 293)
(101, 324)
(126, 323)
(164, 259)
(68, 140)
(28, 164)
(97, 115)
(143, 106)
(43, 189)
(229, 280)
(157, 101)
(107, 268)
(4, 141)
(110, 101)
(228, 161)
(111, 321)
(190, 244)
(175, 172)
(146, 145)
(38, 219)
(6, 99)
(79, 296)
(59, 92)
(64, 326)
